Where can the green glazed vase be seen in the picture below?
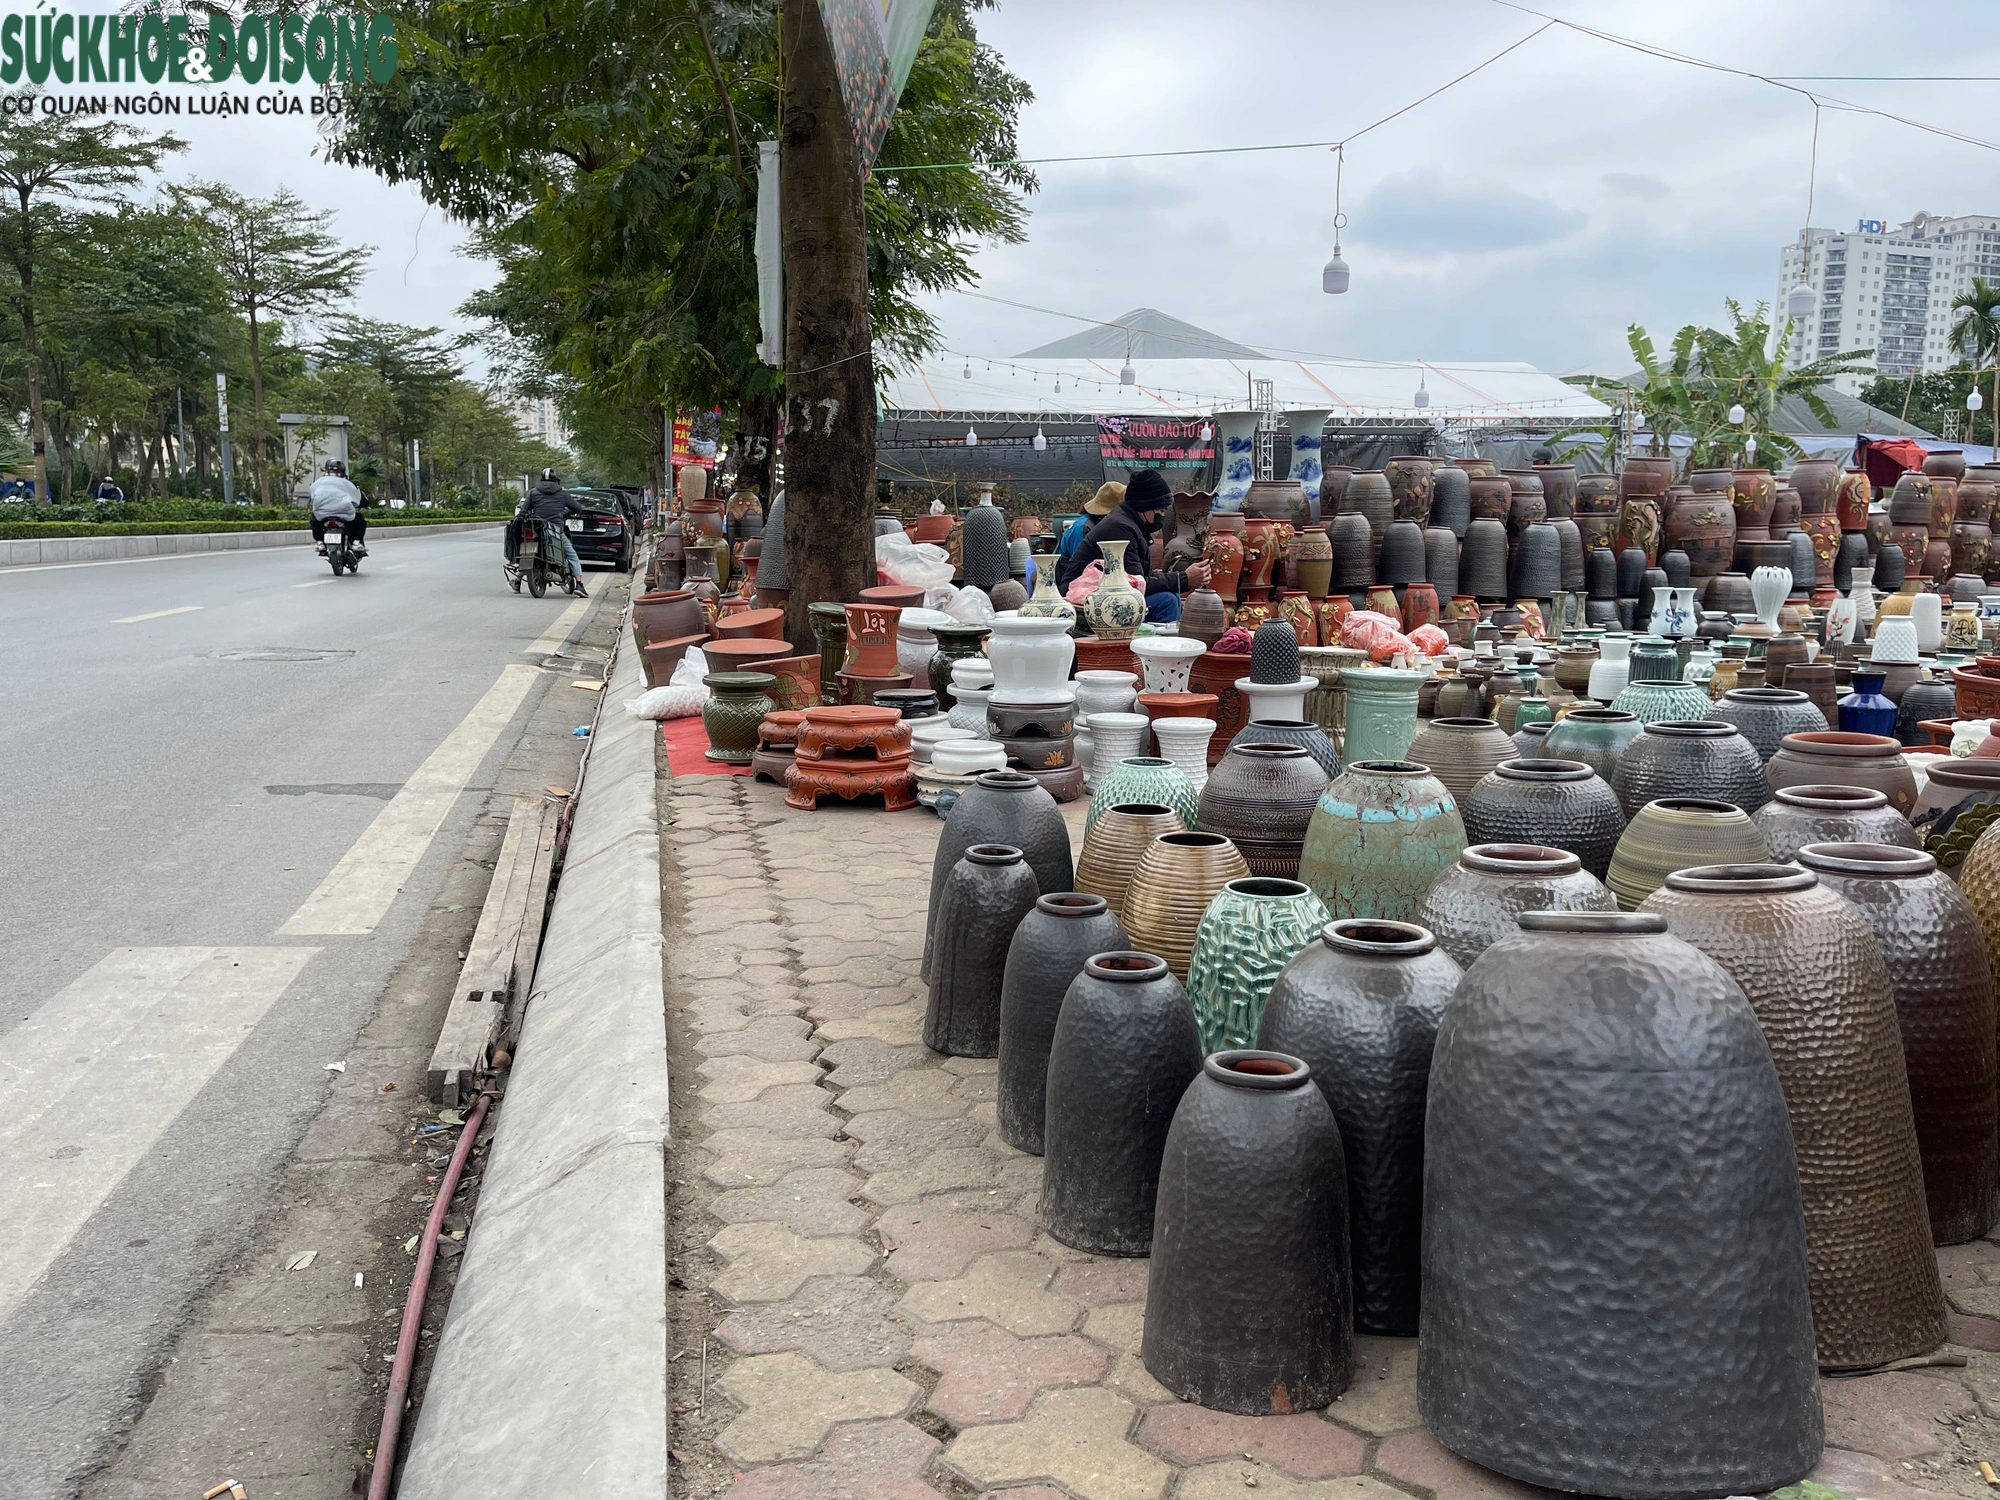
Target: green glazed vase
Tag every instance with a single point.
(1144, 778)
(1663, 702)
(1381, 712)
(737, 704)
(1382, 832)
(1251, 930)
(829, 628)
(1595, 736)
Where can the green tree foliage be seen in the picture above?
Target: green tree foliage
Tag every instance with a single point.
(1975, 328)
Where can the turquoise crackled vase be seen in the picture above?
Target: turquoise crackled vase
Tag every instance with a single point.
(1382, 832)
(1143, 778)
(1251, 930)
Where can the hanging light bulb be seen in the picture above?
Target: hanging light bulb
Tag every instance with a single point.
(968, 369)
(972, 437)
(1974, 401)
(1041, 442)
(1127, 376)
(1333, 277)
(1736, 415)
(1749, 447)
(1423, 396)
(1208, 432)
(1800, 301)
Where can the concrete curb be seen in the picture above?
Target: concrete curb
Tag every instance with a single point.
(551, 1377)
(27, 552)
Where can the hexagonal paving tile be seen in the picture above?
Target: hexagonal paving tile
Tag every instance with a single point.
(1009, 1288)
(1229, 1481)
(768, 1262)
(842, 1322)
(789, 1404)
(928, 1241)
(1075, 1437)
(1303, 1446)
(988, 1375)
(866, 1461)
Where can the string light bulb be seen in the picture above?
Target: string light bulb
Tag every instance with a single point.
(1333, 277)
(1041, 442)
(972, 437)
(968, 369)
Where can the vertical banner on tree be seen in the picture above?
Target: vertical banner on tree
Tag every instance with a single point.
(874, 42)
(1152, 443)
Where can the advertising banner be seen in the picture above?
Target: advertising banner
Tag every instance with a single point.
(874, 43)
(1152, 443)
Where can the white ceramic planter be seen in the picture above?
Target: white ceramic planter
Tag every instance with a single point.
(1927, 614)
(968, 757)
(1114, 737)
(1031, 658)
(1895, 640)
(1275, 700)
(927, 734)
(969, 711)
(1167, 659)
(1612, 670)
(1185, 743)
(915, 645)
(1101, 691)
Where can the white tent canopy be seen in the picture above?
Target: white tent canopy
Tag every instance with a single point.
(1461, 393)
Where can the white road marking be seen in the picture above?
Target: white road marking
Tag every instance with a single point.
(362, 886)
(92, 1080)
(317, 583)
(160, 614)
(552, 638)
(159, 557)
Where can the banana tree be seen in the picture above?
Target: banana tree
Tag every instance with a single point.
(1745, 366)
(1660, 394)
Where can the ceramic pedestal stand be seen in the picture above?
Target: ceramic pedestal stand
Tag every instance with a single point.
(850, 751)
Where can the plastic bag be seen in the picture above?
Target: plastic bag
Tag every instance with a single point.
(1381, 637)
(1086, 582)
(673, 701)
(691, 669)
(1430, 640)
(921, 565)
(967, 606)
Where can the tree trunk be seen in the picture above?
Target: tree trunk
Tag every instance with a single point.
(830, 381)
(145, 461)
(37, 430)
(757, 445)
(257, 410)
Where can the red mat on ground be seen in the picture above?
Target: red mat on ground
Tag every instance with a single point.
(687, 749)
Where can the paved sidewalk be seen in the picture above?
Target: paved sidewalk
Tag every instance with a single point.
(864, 1307)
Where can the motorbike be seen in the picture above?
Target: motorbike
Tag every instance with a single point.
(339, 549)
(540, 559)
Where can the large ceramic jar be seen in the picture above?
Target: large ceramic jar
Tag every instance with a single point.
(1251, 930)
(1936, 956)
(1800, 815)
(1249, 1288)
(1677, 834)
(1368, 495)
(1816, 979)
(1002, 807)
(1851, 499)
(1031, 657)
(1543, 800)
(1122, 1054)
(1691, 758)
(1581, 1066)
(1536, 570)
(1529, 505)
(1409, 477)
(1113, 847)
(1261, 797)
(1766, 715)
(1559, 487)
(1178, 875)
(984, 899)
(1656, 702)
(737, 704)
(1473, 905)
(1756, 494)
(984, 547)
(1381, 712)
(1460, 751)
(1482, 559)
(1954, 808)
(1311, 561)
(1141, 778)
(1704, 527)
(1867, 760)
(1382, 832)
(1307, 735)
(1595, 736)
(1451, 499)
(1361, 1006)
(1048, 951)
(1114, 608)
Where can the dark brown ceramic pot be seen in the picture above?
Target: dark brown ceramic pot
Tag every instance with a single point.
(1561, 803)
(1529, 505)
(1845, 759)
(1936, 955)
(1461, 750)
(1559, 488)
(1815, 479)
(1829, 814)
(1597, 495)
(1492, 498)
(1473, 905)
(1756, 494)
(1704, 527)
(1691, 758)
(1261, 797)
(1409, 477)
(1815, 976)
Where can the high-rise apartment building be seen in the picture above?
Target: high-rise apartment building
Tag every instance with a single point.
(539, 417)
(1888, 289)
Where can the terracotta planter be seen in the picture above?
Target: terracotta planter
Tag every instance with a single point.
(1112, 848)
(659, 659)
(1935, 953)
(666, 616)
(1217, 672)
(1845, 759)
(1815, 976)
(1459, 751)
(1121, 1056)
(753, 624)
(1580, 1066)
(988, 892)
(1001, 807)
(1704, 527)
(1541, 800)
(1178, 875)
(1800, 815)
(1249, 1284)
(1261, 797)
(1361, 1006)
(1678, 834)
(1852, 496)
(871, 639)
(1490, 498)
(1380, 835)
(1691, 758)
(1473, 905)
(1224, 554)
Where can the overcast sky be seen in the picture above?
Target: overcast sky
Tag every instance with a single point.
(1529, 213)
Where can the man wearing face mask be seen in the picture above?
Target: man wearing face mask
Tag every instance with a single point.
(1136, 521)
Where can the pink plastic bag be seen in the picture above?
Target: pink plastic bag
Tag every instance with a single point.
(1430, 640)
(1381, 637)
(1087, 581)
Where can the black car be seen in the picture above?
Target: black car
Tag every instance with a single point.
(606, 534)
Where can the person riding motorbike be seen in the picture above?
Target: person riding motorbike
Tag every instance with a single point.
(549, 503)
(334, 494)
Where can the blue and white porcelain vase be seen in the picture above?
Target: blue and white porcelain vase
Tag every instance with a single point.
(1114, 608)
(1306, 466)
(1236, 439)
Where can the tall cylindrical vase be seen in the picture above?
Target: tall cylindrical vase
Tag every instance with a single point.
(1236, 445)
(1307, 426)
(1381, 712)
(1049, 950)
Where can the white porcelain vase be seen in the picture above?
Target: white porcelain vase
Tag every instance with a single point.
(1769, 588)
(1102, 691)
(1167, 659)
(1114, 608)
(1895, 640)
(1612, 670)
(1031, 658)
(1927, 614)
(1185, 743)
(1275, 700)
(1307, 427)
(1114, 737)
(1673, 612)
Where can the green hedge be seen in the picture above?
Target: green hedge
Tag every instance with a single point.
(32, 530)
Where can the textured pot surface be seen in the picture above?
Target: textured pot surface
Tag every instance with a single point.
(1845, 759)
(1595, 736)
(1767, 715)
(1675, 834)
(1263, 794)
(1249, 1284)
(1141, 778)
(1178, 875)
(1361, 1005)
(1382, 832)
(1250, 931)
(1582, 1063)
(1800, 815)
(1691, 758)
(1460, 751)
(985, 896)
(1473, 905)
(1822, 995)
(1002, 807)
(1049, 950)
(1544, 800)
(1123, 1051)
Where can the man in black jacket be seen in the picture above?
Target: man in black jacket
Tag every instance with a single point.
(1136, 521)
(548, 502)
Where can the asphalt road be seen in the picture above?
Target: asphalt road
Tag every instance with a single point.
(231, 784)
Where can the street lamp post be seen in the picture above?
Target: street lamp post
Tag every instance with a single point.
(222, 421)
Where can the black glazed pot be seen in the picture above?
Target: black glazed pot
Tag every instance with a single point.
(1362, 1006)
(1581, 1066)
(1545, 800)
(1001, 807)
(1048, 952)
(1307, 736)
(985, 897)
(1441, 560)
(1248, 1295)
(1537, 564)
(1691, 758)
(1472, 906)
(1124, 1049)
(1766, 715)
(1402, 557)
(1631, 572)
(1600, 572)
